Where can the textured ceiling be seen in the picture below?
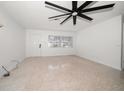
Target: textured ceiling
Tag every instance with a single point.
(34, 14)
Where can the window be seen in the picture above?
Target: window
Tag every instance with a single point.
(60, 41)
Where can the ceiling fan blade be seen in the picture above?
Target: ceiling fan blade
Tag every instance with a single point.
(84, 5)
(74, 20)
(74, 5)
(85, 17)
(66, 19)
(74, 8)
(59, 15)
(97, 8)
(57, 6)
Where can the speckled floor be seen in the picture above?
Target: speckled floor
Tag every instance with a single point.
(62, 73)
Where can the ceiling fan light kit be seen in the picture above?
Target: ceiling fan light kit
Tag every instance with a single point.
(78, 11)
(74, 14)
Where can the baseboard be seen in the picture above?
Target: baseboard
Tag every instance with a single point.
(99, 62)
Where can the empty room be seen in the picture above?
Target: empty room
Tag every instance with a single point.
(61, 46)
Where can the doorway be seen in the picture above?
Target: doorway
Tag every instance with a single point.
(36, 45)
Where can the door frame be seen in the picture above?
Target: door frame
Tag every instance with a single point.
(122, 45)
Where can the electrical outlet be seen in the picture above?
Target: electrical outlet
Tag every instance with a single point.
(1, 26)
(15, 62)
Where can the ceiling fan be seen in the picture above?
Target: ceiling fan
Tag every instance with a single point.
(78, 11)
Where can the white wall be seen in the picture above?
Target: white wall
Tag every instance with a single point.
(102, 42)
(46, 51)
(12, 42)
(123, 47)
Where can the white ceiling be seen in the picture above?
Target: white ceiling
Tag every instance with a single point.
(34, 14)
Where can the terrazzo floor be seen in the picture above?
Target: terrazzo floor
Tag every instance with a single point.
(62, 73)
